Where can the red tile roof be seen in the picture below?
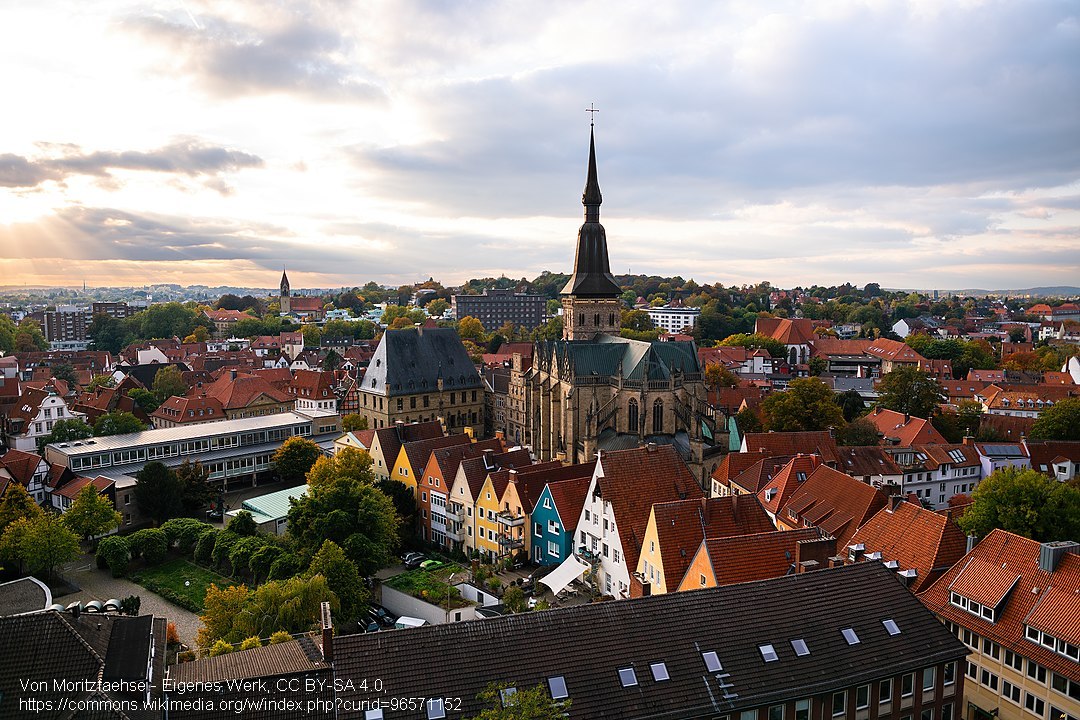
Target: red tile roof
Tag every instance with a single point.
(1044, 454)
(747, 558)
(569, 498)
(799, 331)
(532, 479)
(793, 443)
(72, 488)
(833, 501)
(833, 347)
(241, 391)
(904, 430)
(476, 470)
(758, 475)
(21, 465)
(916, 538)
(734, 464)
(189, 409)
(794, 473)
(1008, 427)
(860, 462)
(1003, 558)
(633, 480)
(418, 451)
(391, 438)
(894, 351)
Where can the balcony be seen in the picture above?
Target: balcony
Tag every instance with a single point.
(455, 513)
(511, 543)
(457, 535)
(505, 518)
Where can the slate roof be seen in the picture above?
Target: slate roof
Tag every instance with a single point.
(681, 525)
(927, 542)
(608, 356)
(747, 558)
(588, 644)
(633, 480)
(408, 362)
(1001, 558)
(391, 438)
(23, 595)
(1044, 454)
(861, 461)
(592, 273)
(834, 502)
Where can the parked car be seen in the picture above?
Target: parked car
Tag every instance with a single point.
(432, 564)
(413, 560)
(381, 615)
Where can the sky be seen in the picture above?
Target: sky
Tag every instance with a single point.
(920, 144)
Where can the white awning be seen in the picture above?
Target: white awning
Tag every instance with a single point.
(571, 569)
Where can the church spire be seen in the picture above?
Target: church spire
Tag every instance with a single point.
(592, 274)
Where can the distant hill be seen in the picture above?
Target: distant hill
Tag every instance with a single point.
(1057, 291)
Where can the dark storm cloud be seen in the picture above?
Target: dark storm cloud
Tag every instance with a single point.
(229, 58)
(185, 157)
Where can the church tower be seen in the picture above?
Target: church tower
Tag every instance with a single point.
(590, 300)
(285, 298)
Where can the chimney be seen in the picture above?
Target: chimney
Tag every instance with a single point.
(972, 541)
(806, 566)
(513, 476)
(815, 551)
(907, 577)
(232, 374)
(650, 447)
(836, 561)
(855, 552)
(489, 459)
(894, 502)
(969, 440)
(327, 633)
(1050, 553)
(907, 418)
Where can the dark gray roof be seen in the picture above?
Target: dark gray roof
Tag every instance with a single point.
(289, 658)
(588, 644)
(409, 362)
(608, 355)
(592, 273)
(129, 648)
(22, 596)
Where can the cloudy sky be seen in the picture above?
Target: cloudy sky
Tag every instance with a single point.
(923, 144)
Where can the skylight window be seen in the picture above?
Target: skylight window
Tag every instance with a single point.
(373, 714)
(799, 646)
(768, 653)
(627, 677)
(506, 693)
(435, 709)
(659, 671)
(712, 662)
(891, 626)
(850, 636)
(557, 685)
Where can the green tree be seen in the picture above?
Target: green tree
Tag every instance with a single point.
(235, 613)
(115, 552)
(65, 372)
(243, 524)
(107, 333)
(818, 366)
(66, 430)
(91, 513)
(117, 422)
(353, 422)
(1059, 422)
(968, 416)
(342, 578)
(858, 432)
(104, 380)
(8, 329)
(910, 391)
(718, 376)
(775, 348)
(637, 320)
(295, 457)
(1025, 502)
(526, 703)
(17, 504)
(469, 328)
(748, 421)
(437, 307)
(152, 544)
(145, 399)
(195, 492)
(807, 404)
(312, 336)
(28, 337)
(46, 543)
(167, 320)
(158, 493)
(168, 381)
(851, 404)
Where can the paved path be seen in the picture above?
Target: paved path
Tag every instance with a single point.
(101, 585)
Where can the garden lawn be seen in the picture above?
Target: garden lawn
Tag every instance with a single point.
(431, 585)
(168, 580)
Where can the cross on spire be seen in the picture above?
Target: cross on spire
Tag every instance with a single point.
(591, 109)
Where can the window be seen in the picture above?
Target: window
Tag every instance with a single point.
(748, 715)
(627, 677)
(802, 709)
(1010, 692)
(658, 416)
(850, 636)
(373, 714)
(712, 662)
(862, 697)
(1065, 686)
(435, 709)
(506, 693)
(972, 670)
(839, 703)
(615, 555)
(991, 648)
(557, 686)
(776, 712)
(928, 678)
(632, 415)
(885, 691)
(1014, 661)
(907, 685)
(799, 646)
(1036, 672)
(702, 581)
(1034, 704)
(659, 672)
(949, 674)
(890, 626)
(768, 653)
(989, 679)
(927, 714)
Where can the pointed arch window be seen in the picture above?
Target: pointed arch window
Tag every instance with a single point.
(596, 320)
(611, 319)
(581, 320)
(658, 416)
(632, 415)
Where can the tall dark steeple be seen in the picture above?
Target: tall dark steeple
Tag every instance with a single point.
(592, 274)
(285, 294)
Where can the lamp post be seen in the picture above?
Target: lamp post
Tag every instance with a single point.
(449, 584)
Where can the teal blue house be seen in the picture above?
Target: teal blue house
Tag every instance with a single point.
(554, 520)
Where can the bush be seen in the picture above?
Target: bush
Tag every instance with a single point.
(152, 543)
(185, 656)
(204, 546)
(251, 643)
(222, 547)
(262, 560)
(220, 648)
(172, 635)
(280, 637)
(183, 533)
(287, 565)
(130, 605)
(243, 523)
(101, 564)
(116, 552)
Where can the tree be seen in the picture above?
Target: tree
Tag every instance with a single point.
(718, 376)
(66, 430)
(45, 543)
(145, 399)
(353, 422)
(807, 404)
(775, 348)
(117, 422)
(8, 329)
(312, 336)
(332, 360)
(65, 372)
(527, 703)
(818, 366)
(115, 552)
(243, 524)
(104, 380)
(158, 493)
(910, 391)
(195, 491)
(91, 513)
(168, 382)
(748, 421)
(342, 578)
(235, 613)
(636, 320)
(851, 404)
(107, 333)
(28, 338)
(167, 320)
(295, 457)
(16, 505)
(1058, 422)
(200, 335)
(469, 328)
(437, 307)
(151, 543)
(859, 432)
(1025, 502)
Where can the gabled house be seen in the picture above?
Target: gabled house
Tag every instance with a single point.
(187, 410)
(872, 464)
(387, 441)
(775, 492)
(555, 515)
(313, 390)
(811, 442)
(675, 531)
(434, 483)
(733, 465)
(894, 355)
(934, 473)
(904, 430)
(492, 525)
(413, 456)
(615, 516)
(244, 395)
(758, 475)
(518, 500)
(835, 502)
(721, 561)
(33, 417)
(66, 494)
(29, 470)
(795, 334)
(1057, 458)
(1014, 603)
(908, 538)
